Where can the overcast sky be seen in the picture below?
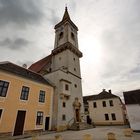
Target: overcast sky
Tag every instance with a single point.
(109, 37)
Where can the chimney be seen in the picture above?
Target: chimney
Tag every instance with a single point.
(110, 91)
(103, 89)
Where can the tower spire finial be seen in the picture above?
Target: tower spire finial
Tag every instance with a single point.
(65, 6)
(66, 14)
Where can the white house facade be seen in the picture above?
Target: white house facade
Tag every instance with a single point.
(105, 108)
(132, 101)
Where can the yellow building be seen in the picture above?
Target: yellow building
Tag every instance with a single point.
(25, 100)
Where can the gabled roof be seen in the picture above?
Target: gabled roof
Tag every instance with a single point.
(132, 97)
(39, 65)
(20, 71)
(103, 95)
(66, 18)
(86, 98)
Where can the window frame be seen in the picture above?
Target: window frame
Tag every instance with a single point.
(66, 87)
(24, 93)
(61, 34)
(94, 105)
(111, 103)
(39, 118)
(75, 85)
(113, 115)
(104, 103)
(4, 85)
(64, 104)
(106, 117)
(42, 96)
(74, 69)
(72, 36)
(63, 117)
(86, 109)
(1, 111)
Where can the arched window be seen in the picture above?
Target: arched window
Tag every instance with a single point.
(61, 35)
(72, 36)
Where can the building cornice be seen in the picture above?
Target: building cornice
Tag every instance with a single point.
(65, 46)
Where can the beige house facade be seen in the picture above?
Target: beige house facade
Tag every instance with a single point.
(25, 100)
(105, 108)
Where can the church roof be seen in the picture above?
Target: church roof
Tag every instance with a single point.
(103, 95)
(23, 72)
(39, 65)
(132, 97)
(66, 18)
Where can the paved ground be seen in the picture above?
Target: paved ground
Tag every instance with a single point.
(98, 133)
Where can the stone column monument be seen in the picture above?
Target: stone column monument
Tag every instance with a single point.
(77, 107)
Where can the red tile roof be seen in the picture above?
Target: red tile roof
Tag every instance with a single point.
(39, 65)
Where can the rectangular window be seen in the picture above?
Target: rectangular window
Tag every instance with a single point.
(86, 109)
(104, 103)
(24, 93)
(3, 88)
(113, 116)
(66, 87)
(64, 104)
(39, 119)
(0, 112)
(94, 104)
(106, 117)
(42, 96)
(111, 102)
(63, 117)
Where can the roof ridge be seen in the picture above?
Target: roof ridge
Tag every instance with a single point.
(23, 69)
(42, 61)
(4, 62)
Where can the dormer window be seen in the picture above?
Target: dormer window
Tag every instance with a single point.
(72, 36)
(61, 35)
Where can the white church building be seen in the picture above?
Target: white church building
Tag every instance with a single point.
(62, 68)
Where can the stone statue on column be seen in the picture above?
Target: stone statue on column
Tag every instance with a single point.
(77, 107)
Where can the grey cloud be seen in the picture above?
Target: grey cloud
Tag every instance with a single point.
(17, 44)
(52, 16)
(5, 42)
(73, 5)
(20, 12)
(136, 69)
(21, 63)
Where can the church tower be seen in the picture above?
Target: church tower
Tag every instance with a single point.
(62, 68)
